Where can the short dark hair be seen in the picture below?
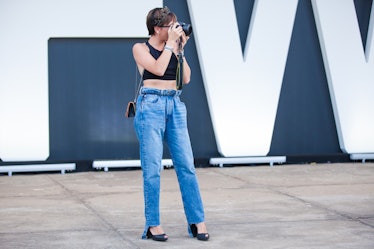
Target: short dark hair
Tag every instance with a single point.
(159, 17)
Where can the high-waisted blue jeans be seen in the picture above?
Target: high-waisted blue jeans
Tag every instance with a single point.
(161, 116)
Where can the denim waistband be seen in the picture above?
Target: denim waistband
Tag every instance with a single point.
(146, 90)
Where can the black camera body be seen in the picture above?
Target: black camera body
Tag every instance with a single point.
(187, 28)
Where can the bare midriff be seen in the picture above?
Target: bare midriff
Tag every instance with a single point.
(160, 84)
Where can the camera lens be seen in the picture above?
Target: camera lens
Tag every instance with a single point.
(187, 28)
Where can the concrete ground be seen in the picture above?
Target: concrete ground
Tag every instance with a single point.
(289, 206)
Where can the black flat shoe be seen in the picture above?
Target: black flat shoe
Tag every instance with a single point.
(199, 236)
(157, 237)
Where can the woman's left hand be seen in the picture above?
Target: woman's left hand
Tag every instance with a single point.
(184, 39)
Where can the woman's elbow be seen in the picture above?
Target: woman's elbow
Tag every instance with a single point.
(186, 80)
(159, 72)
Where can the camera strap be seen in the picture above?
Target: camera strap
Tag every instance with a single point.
(179, 77)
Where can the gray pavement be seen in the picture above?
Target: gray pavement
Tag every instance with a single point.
(289, 206)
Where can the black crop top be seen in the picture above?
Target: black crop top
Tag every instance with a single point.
(171, 70)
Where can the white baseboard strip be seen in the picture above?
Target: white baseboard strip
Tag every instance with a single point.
(362, 156)
(220, 161)
(99, 164)
(37, 168)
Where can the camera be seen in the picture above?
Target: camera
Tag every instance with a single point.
(187, 28)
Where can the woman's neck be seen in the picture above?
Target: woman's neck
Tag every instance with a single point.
(156, 43)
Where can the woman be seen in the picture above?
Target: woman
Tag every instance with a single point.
(161, 116)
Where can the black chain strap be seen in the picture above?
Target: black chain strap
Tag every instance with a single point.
(137, 87)
(179, 77)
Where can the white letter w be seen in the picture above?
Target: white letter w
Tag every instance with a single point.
(243, 91)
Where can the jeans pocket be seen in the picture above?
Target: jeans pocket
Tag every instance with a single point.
(151, 98)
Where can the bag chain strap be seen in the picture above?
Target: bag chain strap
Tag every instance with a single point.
(137, 88)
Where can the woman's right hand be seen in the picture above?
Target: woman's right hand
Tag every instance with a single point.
(175, 32)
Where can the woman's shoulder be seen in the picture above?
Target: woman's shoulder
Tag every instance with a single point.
(139, 45)
(140, 48)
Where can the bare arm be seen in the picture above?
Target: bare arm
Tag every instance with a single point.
(186, 67)
(145, 60)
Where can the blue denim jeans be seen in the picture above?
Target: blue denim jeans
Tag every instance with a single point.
(161, 116)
